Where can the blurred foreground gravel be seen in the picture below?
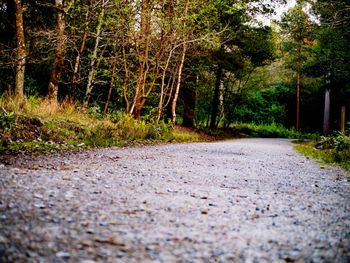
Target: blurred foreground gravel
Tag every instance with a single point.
(248, 200)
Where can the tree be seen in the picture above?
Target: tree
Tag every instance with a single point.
(91, 77)
(59, 51)
(21, 49)
(243, 45)
(297, 26)
(331, 58)
(182, 61)
(88, 19)
(142, 45)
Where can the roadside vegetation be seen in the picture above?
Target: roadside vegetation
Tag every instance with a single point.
(35, 125)
(332, 150)
(38, 125)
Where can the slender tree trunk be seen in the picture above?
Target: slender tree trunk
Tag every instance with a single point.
(298, 104)
(163, 96)
(189, 96)
(166, 34)
(216, 99)
(111, 83)
(342, 119)
(91, 76)
(80, 52)
(178, 85)
(162, 86)
(143, 59)
(59, 52)
(125, 81)
(298, 92)
(21, 50)
(326, 114)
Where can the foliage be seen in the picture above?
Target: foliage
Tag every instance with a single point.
(6, 120)
(262, 106)
(272, 130)
(45, 126)
(338, 141)
(331, 150)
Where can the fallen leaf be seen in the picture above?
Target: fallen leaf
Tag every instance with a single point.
(87, 243)
(109, 241)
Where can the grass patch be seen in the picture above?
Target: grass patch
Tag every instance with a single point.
(242, 130)
(269, 131)
(34, 125)
(181, 134)
(325, 156)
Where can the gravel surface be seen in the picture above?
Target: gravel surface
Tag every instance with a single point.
(248, 200)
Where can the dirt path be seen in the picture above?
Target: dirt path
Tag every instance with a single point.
(249, 200)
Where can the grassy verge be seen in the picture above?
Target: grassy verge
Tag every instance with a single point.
(35, 126)
(270, 131)
(326, 155)
(259, 131)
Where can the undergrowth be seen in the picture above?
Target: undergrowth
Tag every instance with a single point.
(332, 150)
(34, 125)
(272, 130)
(261, 131)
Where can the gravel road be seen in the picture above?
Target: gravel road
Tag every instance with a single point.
(247, 200)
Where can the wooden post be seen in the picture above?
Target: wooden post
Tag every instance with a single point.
(343, 109)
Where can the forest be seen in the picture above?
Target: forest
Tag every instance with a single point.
(195, 63)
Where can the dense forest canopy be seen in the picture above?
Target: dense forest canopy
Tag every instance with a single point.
(194, 62)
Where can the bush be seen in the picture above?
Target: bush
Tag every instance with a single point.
(332, 149)
(338, 141)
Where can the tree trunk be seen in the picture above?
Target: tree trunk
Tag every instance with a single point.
(216, 99)
(125, 81)
(59, 52)
(167, 32)
(342, 119)
(73, 92)
(162, 86)
(21, 50)
(326, 114)
(111, 83)
(297, 125)
(143, 50)
(91, 76)
(189, 102)
(298, 104)
(178, 85)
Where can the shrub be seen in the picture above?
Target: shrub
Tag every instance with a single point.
(331, 149)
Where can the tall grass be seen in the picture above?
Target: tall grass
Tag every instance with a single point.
(39, 120)
(43, 108)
